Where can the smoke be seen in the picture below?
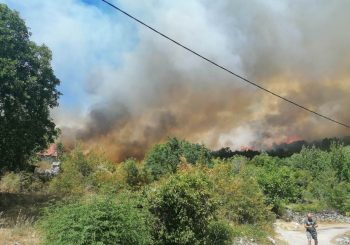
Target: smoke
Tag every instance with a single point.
(299, 50)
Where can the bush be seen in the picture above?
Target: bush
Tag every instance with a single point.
(183, 207)
(321, 187)
(242, 201)
(340, 158)
(20, 182)
(219, 233)
(67, 182)
(132, 172)
(313, 160)
(11, 183)
(314, 207)
(264, 160)
(84, 172)
(340, 197)
(31, 182)
(135, 175)
(227, 168)
(100, 221)
(195, 153)
(164, 158)
(280, 186)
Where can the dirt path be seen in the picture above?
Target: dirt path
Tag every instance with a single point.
(294, 233)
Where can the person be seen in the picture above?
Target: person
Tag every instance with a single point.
(310, 226)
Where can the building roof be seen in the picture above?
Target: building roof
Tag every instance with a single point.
(50, 152)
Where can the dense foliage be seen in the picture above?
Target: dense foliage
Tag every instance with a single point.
(183, 207)
(187, 196)
(85, 173)
(98, 221)
(28, 90)
(164, 158)
(22, 182)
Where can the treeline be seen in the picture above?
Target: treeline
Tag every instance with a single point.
(282, 150)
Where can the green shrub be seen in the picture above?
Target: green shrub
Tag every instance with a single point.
(99, 221)
(315, 206)
(311, 159)
(31, 182)
(67, 182)
(83, 172)
(20, 182)
(321, 187)
(195, 153)
(164, 158)
(242, 201)
(183, 207)
(319, 173)
(279, 185)
(132, 172)
(227, 168)
(340, 158)
(10, 182)
(264, 160)
(237, 162)
(135, 174)
(340, 197)
(219, 233)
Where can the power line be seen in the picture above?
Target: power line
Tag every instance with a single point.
(226, 69)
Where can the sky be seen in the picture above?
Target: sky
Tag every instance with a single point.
(81, 35)
(125, 88)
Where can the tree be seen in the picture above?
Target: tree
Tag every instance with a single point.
(242, 201)
(28, 90)
(164, 158)
(340, 158)
(279, 185)
(184, 208)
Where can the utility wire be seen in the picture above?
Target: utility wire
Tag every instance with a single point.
(226, 69)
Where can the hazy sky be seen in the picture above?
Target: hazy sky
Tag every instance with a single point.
(126, 88)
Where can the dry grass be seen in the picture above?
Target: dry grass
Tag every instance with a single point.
(21, 233)
(20, 211)
(24, 235)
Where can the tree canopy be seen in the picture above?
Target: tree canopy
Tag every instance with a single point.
(28, 90)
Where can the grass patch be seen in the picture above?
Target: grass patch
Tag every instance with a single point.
(256, 232)
(21, 231)
(307, 207)
(22, 206)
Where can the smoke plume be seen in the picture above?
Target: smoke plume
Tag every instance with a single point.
(297, 49)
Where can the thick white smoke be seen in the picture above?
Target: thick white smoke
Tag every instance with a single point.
(152, 89)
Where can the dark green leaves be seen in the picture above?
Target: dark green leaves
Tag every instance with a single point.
(28, 90)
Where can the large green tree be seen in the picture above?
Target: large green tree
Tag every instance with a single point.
(28, 90)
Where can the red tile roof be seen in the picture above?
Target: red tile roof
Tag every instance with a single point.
(50, 152)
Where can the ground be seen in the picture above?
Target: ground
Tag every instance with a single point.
(287, 233)
(294, 233)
